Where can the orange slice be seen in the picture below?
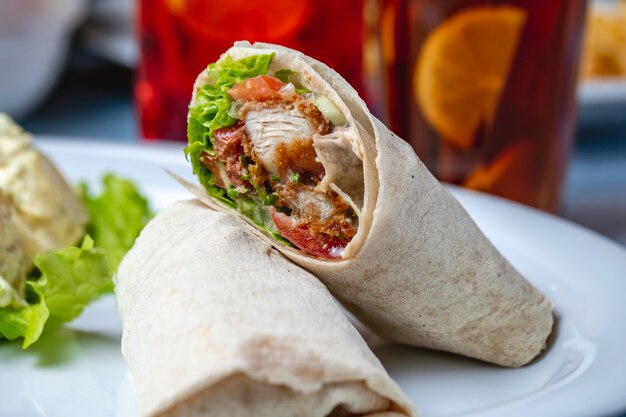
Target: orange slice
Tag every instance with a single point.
(463, 67)
(511, 174)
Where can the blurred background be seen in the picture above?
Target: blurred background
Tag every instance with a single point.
(483, 90)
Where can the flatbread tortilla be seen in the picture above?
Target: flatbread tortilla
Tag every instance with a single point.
(218, 323)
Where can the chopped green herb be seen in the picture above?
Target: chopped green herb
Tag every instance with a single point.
(232, 192)
(295, 177)
(270, 199)
(275, 178)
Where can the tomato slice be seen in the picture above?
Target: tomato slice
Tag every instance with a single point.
(317, 244)
(259, 88)
(230, 149)
(227, 138)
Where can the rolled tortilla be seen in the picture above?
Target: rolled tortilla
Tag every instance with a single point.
(418, 271)
(218, 323)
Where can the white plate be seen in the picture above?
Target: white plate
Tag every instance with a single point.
(79, 371)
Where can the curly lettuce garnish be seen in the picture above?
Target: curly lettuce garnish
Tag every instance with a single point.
(64, 282)
(117, 216)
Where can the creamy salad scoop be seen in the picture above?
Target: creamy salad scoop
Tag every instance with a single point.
(285, 143)
(48, 214)
(13, 269)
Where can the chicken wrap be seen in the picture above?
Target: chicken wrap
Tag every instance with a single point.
(218, 323)
(283, 141)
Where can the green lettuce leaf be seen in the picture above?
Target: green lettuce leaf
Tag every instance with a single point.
(66, 281)
(70, 279)
(257, 212)
(117, 216)
(28, 321)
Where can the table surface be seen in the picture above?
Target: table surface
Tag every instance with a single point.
(594, 193)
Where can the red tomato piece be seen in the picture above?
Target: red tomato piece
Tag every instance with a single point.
(259, 88)
(227, 140)
(228, 151)
(317, 244)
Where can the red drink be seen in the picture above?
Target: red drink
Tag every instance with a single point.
(484, 90)
(180, 37)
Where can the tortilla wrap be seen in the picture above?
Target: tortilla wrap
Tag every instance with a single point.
(218, 323)
(418, 271)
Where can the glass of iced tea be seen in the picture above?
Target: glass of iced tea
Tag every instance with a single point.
(484, 90)
(178, 38)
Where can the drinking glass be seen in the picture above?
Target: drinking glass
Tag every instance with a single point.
(178, 38)
(484, 90)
